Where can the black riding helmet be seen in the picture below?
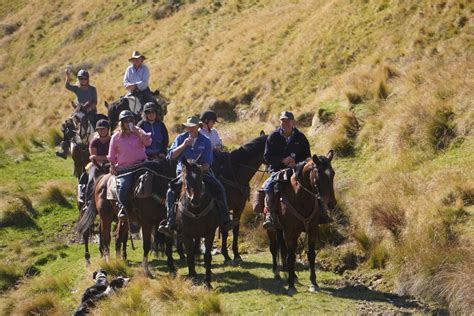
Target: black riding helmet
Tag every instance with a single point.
(82, 74)
(208, 116)
(149, 106)
(125, 114)
(102, 124)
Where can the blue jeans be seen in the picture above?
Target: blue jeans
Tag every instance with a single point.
(217, 190)
(124, 183)
(269, 184)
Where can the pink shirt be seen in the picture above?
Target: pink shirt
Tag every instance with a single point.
(128, 150)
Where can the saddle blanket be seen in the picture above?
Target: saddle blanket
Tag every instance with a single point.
(112, 189)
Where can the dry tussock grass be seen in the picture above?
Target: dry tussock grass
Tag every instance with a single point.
(42, 304)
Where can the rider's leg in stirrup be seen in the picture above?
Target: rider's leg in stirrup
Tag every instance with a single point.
(65, 143)
(218, 188)
(124, 183)
(271, 220)
(170, 225)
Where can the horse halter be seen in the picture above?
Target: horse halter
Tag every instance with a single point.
(203, 189)
(317, 194)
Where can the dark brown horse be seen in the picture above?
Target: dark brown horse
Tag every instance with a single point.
(310, 189)
(235, 174)
(196, 217)
(148, 212)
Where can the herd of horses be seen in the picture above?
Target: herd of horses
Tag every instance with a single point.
(309, 190)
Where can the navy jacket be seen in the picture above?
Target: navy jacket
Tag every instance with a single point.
(159, 137)
(276, 148)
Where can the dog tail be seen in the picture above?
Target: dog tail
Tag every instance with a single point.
(87, 219)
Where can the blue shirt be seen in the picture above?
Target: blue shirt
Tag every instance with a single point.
(159, 137)
(138, 76)
(201, 148)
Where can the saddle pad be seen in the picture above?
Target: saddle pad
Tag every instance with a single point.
(112, 188)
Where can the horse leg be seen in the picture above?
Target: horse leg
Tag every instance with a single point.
(311, 258)
(189, 246)
(225, 253)
(290, 260)
(235, 245)
(146, 235)
(180, 250)
(124, 240)
(87, 256)
(209, 240)
(118, 239)
(105, 233)
(274, 251)
(169, 255)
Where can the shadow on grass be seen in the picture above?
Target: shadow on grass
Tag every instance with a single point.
(366, 294)
(241, 281)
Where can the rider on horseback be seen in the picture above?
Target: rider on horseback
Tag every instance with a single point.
(98, 149)
(127, 149)
(193, 145)
(136, 78)
(208, 119)
(285, 147)
(85, 94)
(158, 131)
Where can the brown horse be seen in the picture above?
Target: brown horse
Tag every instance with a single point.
(310, 189)
(196, 217)
(148, 213)
(235, 175)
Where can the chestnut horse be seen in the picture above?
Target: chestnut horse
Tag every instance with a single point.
(235, 175)
(148, 213)
(196, 217)
(302, 200)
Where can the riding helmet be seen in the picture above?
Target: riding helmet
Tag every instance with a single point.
(208, 116)
(102, 124)
(124, 114)
(149, 106)
(82, 73)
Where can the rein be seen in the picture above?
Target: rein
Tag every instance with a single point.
(201, 214)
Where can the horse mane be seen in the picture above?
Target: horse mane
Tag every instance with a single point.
(249, 149)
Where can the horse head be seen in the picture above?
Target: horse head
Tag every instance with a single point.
(321, 176)
(193, 182)
(114, 109)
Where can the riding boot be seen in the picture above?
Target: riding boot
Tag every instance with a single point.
(271, 220)
(169, 226)
(65, 149)
(224, 217)
(324, 217)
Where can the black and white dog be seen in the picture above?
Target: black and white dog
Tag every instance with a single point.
(99, 290)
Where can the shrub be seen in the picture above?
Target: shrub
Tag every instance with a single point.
(59, 284)
(9, 274)
(9, 28)
(390, 217)
(17, 215)
(55, 137)
(208, 305)
(54, 194)
(43, 304)
(441, 129)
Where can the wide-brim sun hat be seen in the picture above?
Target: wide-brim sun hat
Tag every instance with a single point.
(191, 121)
(135, 55)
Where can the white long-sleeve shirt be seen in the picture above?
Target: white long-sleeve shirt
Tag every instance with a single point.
(138, 76)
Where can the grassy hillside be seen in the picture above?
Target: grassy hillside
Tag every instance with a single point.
(388, 84)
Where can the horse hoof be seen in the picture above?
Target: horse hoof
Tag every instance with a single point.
(277, 276)
(229, 262)
(291, 291)
(173, 274)
(208, 286)
(88, 262)
(238, 260)
(313, 288)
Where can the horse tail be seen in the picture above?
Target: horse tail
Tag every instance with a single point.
(280, 248)
(158, 244)
(87, 219)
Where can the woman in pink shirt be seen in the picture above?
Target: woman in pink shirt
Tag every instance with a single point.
(127, 149)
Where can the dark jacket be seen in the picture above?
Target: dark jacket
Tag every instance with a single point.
(159, 137)
(276, 149)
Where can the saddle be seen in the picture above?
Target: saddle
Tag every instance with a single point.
(142, 188)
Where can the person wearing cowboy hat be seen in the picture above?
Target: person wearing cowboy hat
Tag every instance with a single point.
(126, 151)
(85, 94)
(136, 78)
(285, 147)
(159, 134)
(193, 145)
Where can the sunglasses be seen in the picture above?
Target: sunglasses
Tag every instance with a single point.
(83, 78)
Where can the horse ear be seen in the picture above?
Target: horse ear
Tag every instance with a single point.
(298, 169)
(316, 160)
(330, 155)
(106, 104)
(262, 133)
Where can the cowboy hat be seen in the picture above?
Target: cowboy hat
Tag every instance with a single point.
(135, 55)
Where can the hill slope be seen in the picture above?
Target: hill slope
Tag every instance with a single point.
(388, 84)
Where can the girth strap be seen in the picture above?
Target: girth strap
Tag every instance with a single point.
(305, 220)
